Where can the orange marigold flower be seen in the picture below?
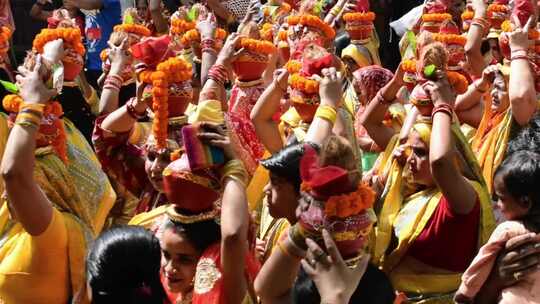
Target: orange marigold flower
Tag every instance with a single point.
(450, 39)
(193, 36)
(313, 22)
(293, 66)
(258, 46)
(350, 204)
(71, 36)
(467, 15)
(180, 26)
(409, 65)
(497, 8)
(359, 17)
(136, 29)
(436, 17)
(301, 83)
(458, 82)
(507, 26)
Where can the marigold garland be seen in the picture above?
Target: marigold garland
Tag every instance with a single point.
(409, 65)
(12, 103)
(301, 83)
(458, 82)
(257, 46)
(193, 35)
(346, 205)
(172, 70)
(497, 8)
(181, 26)
(436, 17)
(508, 27)
(283, 8)
(293, 66)
(313, 22)
(282, 35)
(467, 15)
(359, 17)
(136, 29)
(71, 36)
(449, 39)
(267, 32)
(5, 34)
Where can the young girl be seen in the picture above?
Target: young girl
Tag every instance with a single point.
(516, 186)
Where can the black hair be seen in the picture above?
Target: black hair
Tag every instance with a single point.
(341, 42)
(123, 267)
(527, 138)
(374, 288)
(200, 234)
(285, 164)
(520, 172)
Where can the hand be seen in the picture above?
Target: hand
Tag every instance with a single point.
(330, 88)
(281, 79)
(400, 154)
(398, 75)
(119, 56)
(520, 258)
(488, 75)
(207, 27)
(216, 135)
(519, 38)
(479, 7)
(229, 53)
(54, 51)
(335, 282)
(31, 87)
(252, 11)
(440, 91)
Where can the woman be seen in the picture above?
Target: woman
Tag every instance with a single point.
(46, 222)
(114, 277)
(203, 261)
(415, 248)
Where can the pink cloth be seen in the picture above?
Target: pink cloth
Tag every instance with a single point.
(526, 291)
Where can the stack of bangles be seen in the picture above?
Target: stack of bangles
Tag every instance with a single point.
(327, 113)
(335, 11)
(30, 115)
(113, 82)
(288, 247)
(380, 98)
(483, 23)
(234, 169)
(519, 54)
(208, 46)
(443, 108)
(218, 73)
(130, 107)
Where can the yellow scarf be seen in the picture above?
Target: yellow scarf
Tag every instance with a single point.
(396, 209)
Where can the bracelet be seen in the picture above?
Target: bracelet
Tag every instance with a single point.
(327, 113)
(28, 119)
(130, 107)
(114, 80)
(443, 108)
(218, 73)
(276, 84)
(38, 107)
(477, 87)
(234, 169)
(111, 87)
(517, 57)
(335, 11)
(286, 252)
(209, 50)
(519, 52)
(208, 43)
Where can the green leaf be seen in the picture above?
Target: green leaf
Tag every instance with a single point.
(429, 70)
(412, 39)
(10, 86)
(128, 19)
(193, 13)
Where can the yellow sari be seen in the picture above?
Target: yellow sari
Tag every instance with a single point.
(405, 217)
(81, 196)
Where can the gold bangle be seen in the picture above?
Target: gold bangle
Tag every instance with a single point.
(234, 169)
(37, 107)
(28, 117)
(327, 113)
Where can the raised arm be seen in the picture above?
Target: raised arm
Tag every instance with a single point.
(234, 215)
(326, 115)
(27, 202)
(87, 4)
(474, 39)
(373, 116)
(207, 29)
(266, 107)
(119, 57)
(469, 106)
(521, 88)
(442, 150)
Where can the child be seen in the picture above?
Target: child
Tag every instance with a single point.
(516, 186)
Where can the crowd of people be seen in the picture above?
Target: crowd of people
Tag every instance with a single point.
(248, 152)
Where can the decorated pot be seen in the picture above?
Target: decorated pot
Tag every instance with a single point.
(421, 100)
(180, 95)
(359, 30)
(456, 54)
(250, 66)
